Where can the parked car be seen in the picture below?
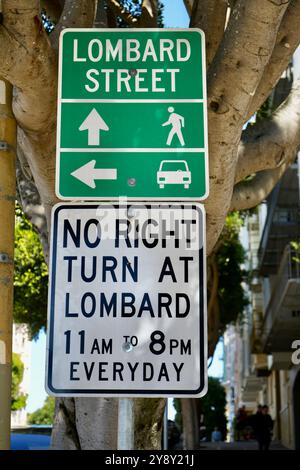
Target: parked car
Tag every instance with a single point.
(31, 438)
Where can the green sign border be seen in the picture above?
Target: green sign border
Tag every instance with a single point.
(59, 107)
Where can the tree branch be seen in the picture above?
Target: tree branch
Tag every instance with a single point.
(19, 17)
(101, 15)
(29, 63)
(288, 39)
(30, 201)
(75, 14)
(53, 9)
(268, 144)
(148, 18)
(122, 12)
(248, 194)
(246, 48)
(189, 6)
(210, 16)
(232, 80)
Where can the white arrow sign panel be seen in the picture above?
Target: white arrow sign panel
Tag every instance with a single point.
(87, 174)
(94, 123)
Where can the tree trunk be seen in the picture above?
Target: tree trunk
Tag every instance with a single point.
(85, 424)
(148, 418)
(190, 424)
(258, 42)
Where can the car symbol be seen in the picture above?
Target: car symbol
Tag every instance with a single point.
(174, 172)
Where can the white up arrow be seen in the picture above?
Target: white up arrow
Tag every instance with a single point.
(87, 174)
(94, 123)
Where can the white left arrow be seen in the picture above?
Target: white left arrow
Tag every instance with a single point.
(87, 174)
(94, 124)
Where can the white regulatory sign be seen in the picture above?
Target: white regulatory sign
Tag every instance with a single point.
(127, 300)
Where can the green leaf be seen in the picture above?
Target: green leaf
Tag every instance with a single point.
(30, 278)
(18, 400)
(45, 414)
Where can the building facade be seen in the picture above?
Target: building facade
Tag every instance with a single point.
(22, 346)
(261, 346)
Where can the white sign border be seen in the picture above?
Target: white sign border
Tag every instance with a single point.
(50, 320)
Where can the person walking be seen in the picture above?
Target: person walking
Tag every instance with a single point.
(216, 435)
(263, 428)
(241, 421)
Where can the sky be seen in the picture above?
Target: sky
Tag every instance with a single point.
(37, 392)
(175, 16)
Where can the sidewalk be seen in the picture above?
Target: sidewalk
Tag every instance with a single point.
(239, 445)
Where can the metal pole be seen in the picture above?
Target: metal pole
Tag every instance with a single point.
(165, 428)
(7, 223)
(298, 161)
(125, 424)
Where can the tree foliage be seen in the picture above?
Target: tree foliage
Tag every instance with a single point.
(30, 278)
(230, 258)
(226, 276)
(295, 246)
(47, 22)
(45, 414)
(213, 407)
(18, 400)
(134, 7)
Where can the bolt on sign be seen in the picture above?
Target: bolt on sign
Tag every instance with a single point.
(127, 307)
(132, 115)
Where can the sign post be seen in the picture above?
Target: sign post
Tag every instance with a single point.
(126, 424)
(127, 313)
(132, 115)
(8, 139)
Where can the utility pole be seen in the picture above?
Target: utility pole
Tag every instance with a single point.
(7, 224)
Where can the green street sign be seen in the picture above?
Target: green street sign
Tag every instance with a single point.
(132, 115)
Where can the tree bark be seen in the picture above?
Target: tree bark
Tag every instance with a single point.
(148, 417)
(233, 77)
(287, 41)
(210, 16)
(191, 424)
(189, 6)
(268, 144)
(76, 14)
(246, 61)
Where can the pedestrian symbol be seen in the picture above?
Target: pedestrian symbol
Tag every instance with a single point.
(177, 123)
